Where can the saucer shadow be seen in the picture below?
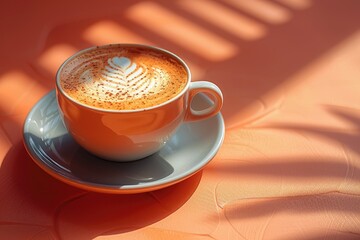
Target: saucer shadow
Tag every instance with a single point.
(33, 199)
(93, 169)
(64, 156)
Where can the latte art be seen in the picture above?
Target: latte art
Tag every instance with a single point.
(123, 79)
(130, 80)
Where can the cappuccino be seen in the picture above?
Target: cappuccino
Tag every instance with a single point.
(126, 77)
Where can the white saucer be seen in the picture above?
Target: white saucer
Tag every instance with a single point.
(54, 150)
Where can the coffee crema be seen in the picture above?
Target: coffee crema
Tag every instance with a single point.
(120, 77)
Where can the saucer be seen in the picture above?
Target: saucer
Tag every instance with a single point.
(54, 150)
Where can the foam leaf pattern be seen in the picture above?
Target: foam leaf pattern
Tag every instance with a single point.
(127, 78)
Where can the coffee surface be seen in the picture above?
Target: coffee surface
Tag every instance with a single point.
(122, 78)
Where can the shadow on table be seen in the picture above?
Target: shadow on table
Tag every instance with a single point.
(247, 67)
(349, 137)
(248, 76)
(248, 70)
(328, 234)
(53, 208)
(311, 216)
(304, 192)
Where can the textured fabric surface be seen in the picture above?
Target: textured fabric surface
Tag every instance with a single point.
(289, 167)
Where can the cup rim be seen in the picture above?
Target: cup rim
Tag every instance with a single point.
(173, 55)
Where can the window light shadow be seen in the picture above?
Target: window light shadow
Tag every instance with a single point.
(267, 11)
(226, 18)
(276, 42)
(106, 31)
(181, 31)
(296, 4)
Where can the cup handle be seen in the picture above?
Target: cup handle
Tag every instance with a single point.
(203, 87)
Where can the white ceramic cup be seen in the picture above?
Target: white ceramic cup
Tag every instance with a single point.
(126, 135)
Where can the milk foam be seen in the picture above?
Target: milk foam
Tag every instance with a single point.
(126, 79)
(123, 80)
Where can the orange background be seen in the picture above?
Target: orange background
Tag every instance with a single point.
(289, 167)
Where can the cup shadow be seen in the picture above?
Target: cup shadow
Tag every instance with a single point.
(64, 156)
(67, 212)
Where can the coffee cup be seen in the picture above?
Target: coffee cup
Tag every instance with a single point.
(123, 102)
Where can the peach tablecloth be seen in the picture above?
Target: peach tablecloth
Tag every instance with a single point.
(289, 167)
